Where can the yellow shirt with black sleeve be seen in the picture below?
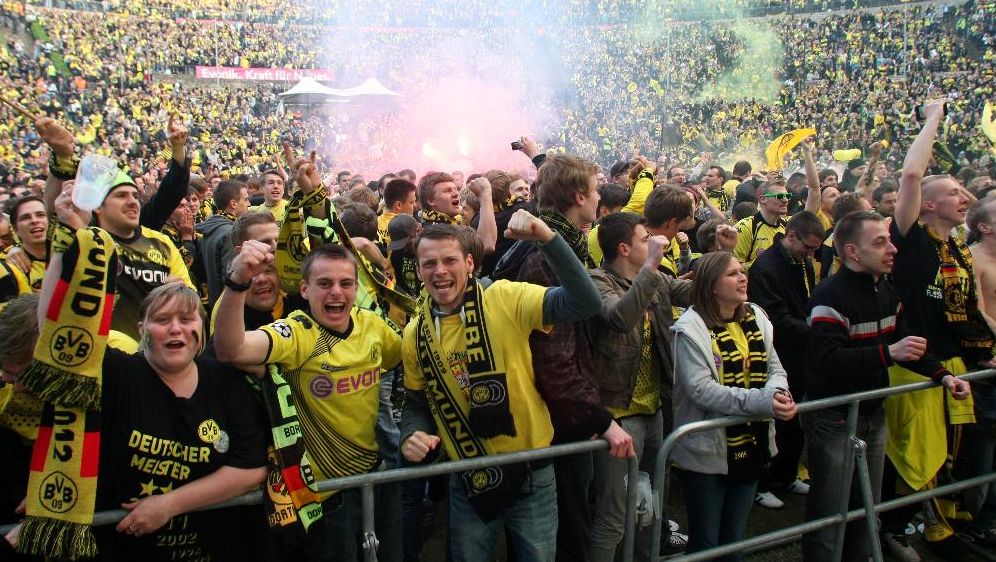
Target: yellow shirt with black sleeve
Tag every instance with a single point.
(279, 211)
(511, 311)
(146, 260)
(755, 236)
(335, 383)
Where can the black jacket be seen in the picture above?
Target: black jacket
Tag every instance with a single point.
(853, 320)
(781, 286)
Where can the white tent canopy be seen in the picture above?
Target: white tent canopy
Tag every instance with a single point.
(310, 91)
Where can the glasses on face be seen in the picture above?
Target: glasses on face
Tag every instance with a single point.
(810, 249)
(779, 196)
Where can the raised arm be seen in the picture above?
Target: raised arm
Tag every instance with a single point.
(864, 186)
(63, 165)
(231, 341)
(815, 196)
(915, 166)
(487, 227)
(576, 298)
(173, 187)
(624, 313)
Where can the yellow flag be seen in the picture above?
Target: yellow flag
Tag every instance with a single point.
(988, 125)
(776, 151)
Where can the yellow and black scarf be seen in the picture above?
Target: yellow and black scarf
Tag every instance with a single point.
(472, 411)
(66, 372)
(960, 299)
(292, 243)
(747, 455)
(571, 234)
(429, 216)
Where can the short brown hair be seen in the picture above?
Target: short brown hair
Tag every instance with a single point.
(427, 187)
(561, 177)
(666, 203)
(363, 196)
(848, 230)
(443, 231)
(500, 185)
(327, 252)
(708, 269)
(240, 229)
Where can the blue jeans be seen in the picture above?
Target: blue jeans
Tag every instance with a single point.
(531, 522)
(717, 510)
(826, 434)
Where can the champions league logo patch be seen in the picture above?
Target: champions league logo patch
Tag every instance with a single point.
(282, 328)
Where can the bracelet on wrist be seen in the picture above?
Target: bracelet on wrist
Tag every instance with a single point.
(234, 285)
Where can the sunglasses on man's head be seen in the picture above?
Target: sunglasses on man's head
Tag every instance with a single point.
(781, 196)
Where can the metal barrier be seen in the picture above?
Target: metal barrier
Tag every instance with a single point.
(662, 475)
(368, 481)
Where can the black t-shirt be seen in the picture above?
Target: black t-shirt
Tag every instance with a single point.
(153, 442)
(916, 276)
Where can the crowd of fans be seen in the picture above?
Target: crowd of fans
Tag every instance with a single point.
(676, 90)
(410, 316)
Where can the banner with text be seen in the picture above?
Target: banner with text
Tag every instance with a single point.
(263, 74)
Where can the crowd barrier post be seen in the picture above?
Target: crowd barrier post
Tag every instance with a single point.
(367, 482)
(856, 458)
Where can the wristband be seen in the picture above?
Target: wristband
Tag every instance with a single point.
(62, 237)
(237, 287)
(646, 174)
(63, 167)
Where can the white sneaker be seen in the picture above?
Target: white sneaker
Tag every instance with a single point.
(768, 500)
(798, 487)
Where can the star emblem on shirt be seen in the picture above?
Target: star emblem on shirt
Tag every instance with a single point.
(148, 489)
(166, 489)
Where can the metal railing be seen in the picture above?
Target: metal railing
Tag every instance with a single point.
(662, 473)
(367, 482)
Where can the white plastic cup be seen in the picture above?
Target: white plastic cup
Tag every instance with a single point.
(94, 178)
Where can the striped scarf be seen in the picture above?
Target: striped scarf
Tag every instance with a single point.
(435, 217)
(66, 372)
(747, 454)
(571, 234)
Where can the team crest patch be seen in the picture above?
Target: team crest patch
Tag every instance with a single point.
(208, 431)
(482, 480)
(58, 493)
(282, 328)
(70, 346)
